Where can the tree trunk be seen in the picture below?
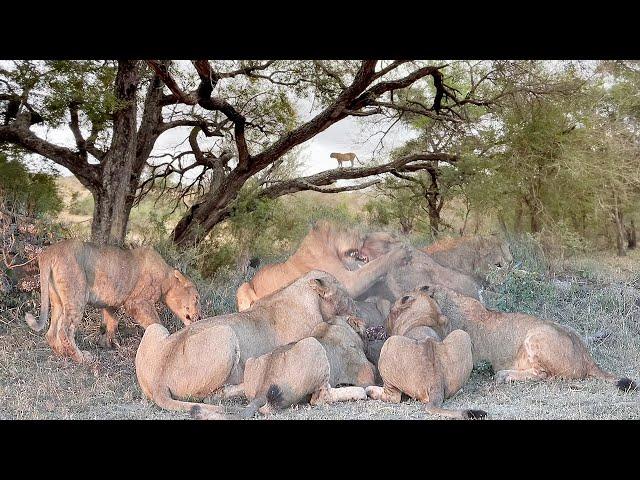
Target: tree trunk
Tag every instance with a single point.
(112, 206)
(206, 214)
(434, 205)
(619, 228)
(631, 236)
(517, 221)
(118, 181)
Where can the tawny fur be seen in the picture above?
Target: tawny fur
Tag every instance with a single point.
(520, 346)
(344, 157)
(415, 361)
(420, 270)
(201, 358)
(74, 274)
(473, 255)
(327, 248)
(426, 370)
(307, 370)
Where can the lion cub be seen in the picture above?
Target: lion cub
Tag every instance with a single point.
(520, 346)
(414, 361)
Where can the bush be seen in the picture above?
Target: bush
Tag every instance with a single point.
(33, 194)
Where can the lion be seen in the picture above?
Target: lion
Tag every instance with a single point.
(306, 371)
(344, 157)
(520, 346)
(474, 255)
(203, 357)
(331, 249)
(415, 361)
(74, 274)
(420, 270)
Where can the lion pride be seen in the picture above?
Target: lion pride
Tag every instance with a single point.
(74, 274)
(328, 248)
(306, 370)
(194, 362)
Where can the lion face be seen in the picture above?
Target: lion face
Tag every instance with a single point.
(183, 299)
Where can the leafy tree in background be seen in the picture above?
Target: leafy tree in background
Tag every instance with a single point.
(241, 117)
(25, 192)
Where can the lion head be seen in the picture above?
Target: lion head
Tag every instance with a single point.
(345, 242)
(494, 251)
(419, 304)
(335, 300)
(183, 299)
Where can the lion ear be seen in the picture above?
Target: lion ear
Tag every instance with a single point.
(406, 300)
(319, 286)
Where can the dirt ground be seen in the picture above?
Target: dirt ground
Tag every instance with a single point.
(597, 296)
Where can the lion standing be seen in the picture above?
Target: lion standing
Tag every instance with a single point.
(344, 157)
(74, 274)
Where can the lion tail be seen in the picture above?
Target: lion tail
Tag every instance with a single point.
(45, 278)
(623, 383)
(459, 414)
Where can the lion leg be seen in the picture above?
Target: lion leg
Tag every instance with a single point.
(143, 313)
(110, 323)
(347, 394)
(54, 324)
(546, 352)
(387, 393)
(66, 335)
(245, 296)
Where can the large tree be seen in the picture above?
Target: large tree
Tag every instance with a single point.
(117, 110)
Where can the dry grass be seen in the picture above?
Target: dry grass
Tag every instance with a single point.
(590, 294)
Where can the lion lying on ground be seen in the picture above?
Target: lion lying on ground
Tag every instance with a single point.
(201, 358)
(327, 248)
(419, 364)
(74, 274)
(471, 255)
(520, 346)
(306, 370)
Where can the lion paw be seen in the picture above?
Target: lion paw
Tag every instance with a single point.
(374, 392)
